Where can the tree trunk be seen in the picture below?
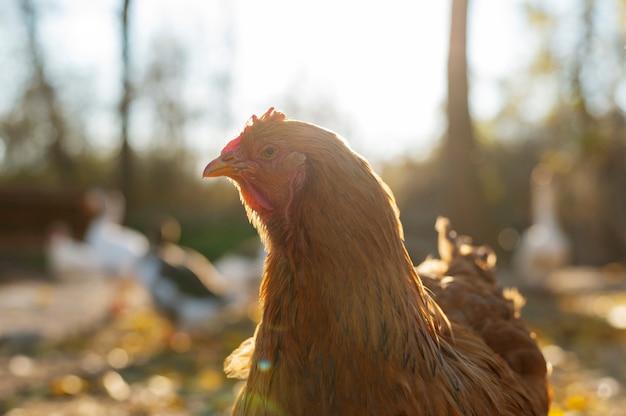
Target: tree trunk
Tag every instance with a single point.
(463, 198)
(126, 173)
(61, 162)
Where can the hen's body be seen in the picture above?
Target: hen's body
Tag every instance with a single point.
(348, 327)
(463, 284)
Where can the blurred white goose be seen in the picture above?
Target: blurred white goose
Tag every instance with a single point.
(118, 249)
(544, 246)
(70, 258)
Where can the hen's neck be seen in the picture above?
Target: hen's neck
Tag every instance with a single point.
(338, 259)
(342, 305)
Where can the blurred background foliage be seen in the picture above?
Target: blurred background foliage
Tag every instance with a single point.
(565, 110)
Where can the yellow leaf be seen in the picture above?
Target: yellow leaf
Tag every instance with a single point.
(576, 402)
(556, 411)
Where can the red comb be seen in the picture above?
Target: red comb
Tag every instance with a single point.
(232, 144)
(270, 115)
(273, 115)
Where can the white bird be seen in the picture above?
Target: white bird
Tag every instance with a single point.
(544, 247)
(70, 258)
(118, 249)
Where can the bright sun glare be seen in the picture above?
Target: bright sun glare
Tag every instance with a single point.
(382, 65)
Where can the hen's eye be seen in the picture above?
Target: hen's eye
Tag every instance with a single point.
(269, 151)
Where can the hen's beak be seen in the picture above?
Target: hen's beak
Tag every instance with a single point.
(225, 165)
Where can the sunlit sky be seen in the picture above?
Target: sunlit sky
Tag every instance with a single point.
(382, 65)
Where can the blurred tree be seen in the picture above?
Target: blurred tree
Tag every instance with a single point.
(162, 91)
(166, 165)
(126, 172)
(586, 122)
(462, 194)
(37, 128)
(566, 104)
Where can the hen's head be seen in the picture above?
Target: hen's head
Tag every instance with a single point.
(264, 164)
(283, 167)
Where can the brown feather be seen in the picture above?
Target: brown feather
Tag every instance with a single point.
(464, 286)
(348, 326)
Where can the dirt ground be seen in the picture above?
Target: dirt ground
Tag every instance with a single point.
(97, 347)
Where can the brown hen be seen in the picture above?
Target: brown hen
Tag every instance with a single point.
(347, 326)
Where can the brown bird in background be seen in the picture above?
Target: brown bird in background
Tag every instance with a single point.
(348, 327)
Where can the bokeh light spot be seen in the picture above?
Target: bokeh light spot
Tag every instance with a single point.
(72, 384)
(116, 386)
(264, 365)
(180, 342)
(21, 366)
(117, 358)
(211, 380)
(617, 316)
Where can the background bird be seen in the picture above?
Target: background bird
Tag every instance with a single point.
(544, 247)
(347, 325)
(67, 257)
(184, 284)
(119, 249)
